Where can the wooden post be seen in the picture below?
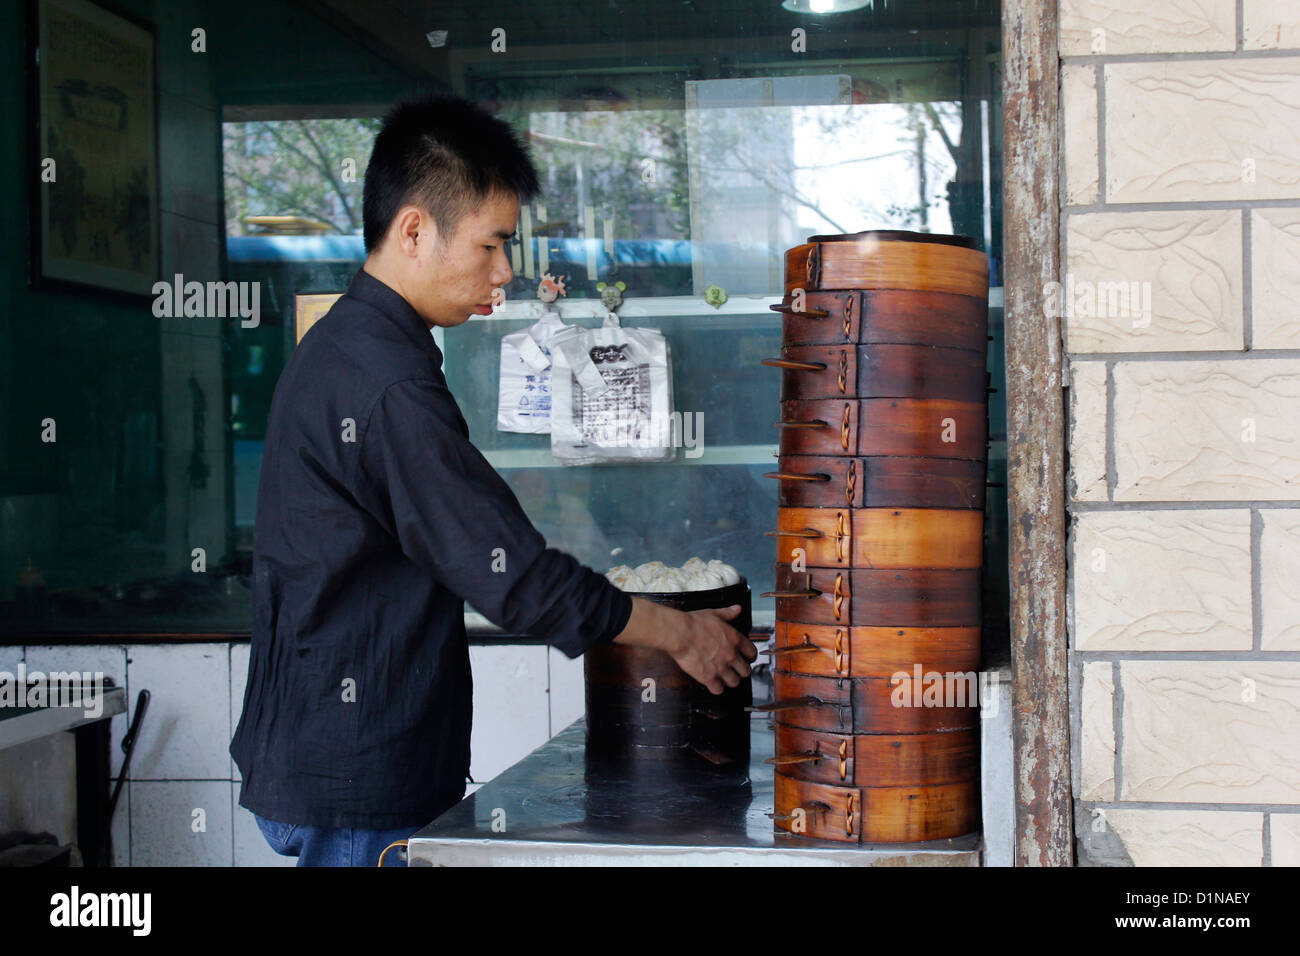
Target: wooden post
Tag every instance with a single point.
(1035, 436)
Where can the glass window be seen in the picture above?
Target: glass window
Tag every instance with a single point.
(676, 153)
(713, 191)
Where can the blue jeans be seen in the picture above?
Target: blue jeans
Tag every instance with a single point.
(332, 846)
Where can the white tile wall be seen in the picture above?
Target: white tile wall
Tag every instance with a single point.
(1189, 837)
(522, 696)
(511, 713)
(181, 823)
(1183, 130)
(1156, 26)
(121, 827)
(186, 733)
(1285, 838)
(108, 659)
(1275, 278)
(567, 685)
(1270, 25)
(1162, 580)
(10, 656)
(1210, 732)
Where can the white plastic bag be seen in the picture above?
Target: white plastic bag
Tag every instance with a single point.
(612, 395)
(524, 394)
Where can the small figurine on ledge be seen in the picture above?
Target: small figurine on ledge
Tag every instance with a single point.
(611, 295)
(549, 288)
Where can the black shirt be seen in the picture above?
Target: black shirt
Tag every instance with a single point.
(376, 521)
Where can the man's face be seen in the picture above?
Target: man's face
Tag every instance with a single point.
(454, 280)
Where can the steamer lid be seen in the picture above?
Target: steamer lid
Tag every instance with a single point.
(899, 235)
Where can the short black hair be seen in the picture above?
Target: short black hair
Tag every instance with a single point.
(446, 155)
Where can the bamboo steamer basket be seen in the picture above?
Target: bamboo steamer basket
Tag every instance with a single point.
(877, 760)
(873, 705)
(683, 723)
(882, 448)
(828, 481)
(876, 814)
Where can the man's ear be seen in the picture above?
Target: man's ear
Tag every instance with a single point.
(410, 228)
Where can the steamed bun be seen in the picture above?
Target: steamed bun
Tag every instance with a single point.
(728, 574)
(694, 575)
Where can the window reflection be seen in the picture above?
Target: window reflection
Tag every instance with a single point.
(669, 163)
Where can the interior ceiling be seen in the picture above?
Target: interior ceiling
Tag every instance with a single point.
(397, 28)
(587, 21)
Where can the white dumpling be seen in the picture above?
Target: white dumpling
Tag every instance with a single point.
(707, 580)
(618, 576)
(694, 575)
(728, 574)
(668, 580)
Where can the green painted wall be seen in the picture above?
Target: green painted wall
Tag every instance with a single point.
(136, 479)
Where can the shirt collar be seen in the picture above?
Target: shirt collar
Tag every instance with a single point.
(387, 300)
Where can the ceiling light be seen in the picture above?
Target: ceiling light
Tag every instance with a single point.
(826, 6)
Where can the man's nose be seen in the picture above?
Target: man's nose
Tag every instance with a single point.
(502, 273)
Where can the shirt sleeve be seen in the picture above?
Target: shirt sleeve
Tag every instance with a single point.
(454, 516)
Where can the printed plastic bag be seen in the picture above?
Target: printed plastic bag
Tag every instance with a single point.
(524, 395)
(612, 395)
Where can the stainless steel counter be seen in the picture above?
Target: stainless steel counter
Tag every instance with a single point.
(20, 725)
(553, 808)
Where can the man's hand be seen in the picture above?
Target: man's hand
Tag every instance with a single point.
(702, 643)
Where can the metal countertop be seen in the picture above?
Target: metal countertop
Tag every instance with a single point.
(19, 725)
(554, 808)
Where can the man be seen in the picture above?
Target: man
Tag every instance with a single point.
(377, 519)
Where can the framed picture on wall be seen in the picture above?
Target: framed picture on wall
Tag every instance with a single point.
(97, 214)
(309, 308)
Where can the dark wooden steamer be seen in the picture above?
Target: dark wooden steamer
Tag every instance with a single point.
(684, 722)
(882, 453)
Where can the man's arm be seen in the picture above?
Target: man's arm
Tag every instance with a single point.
(454, 516)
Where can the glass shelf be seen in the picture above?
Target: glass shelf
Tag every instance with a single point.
(711, 455)
(634, 309)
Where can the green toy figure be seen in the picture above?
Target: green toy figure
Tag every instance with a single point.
(611, 296)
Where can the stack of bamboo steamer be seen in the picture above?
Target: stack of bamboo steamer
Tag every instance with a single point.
(882, 455)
